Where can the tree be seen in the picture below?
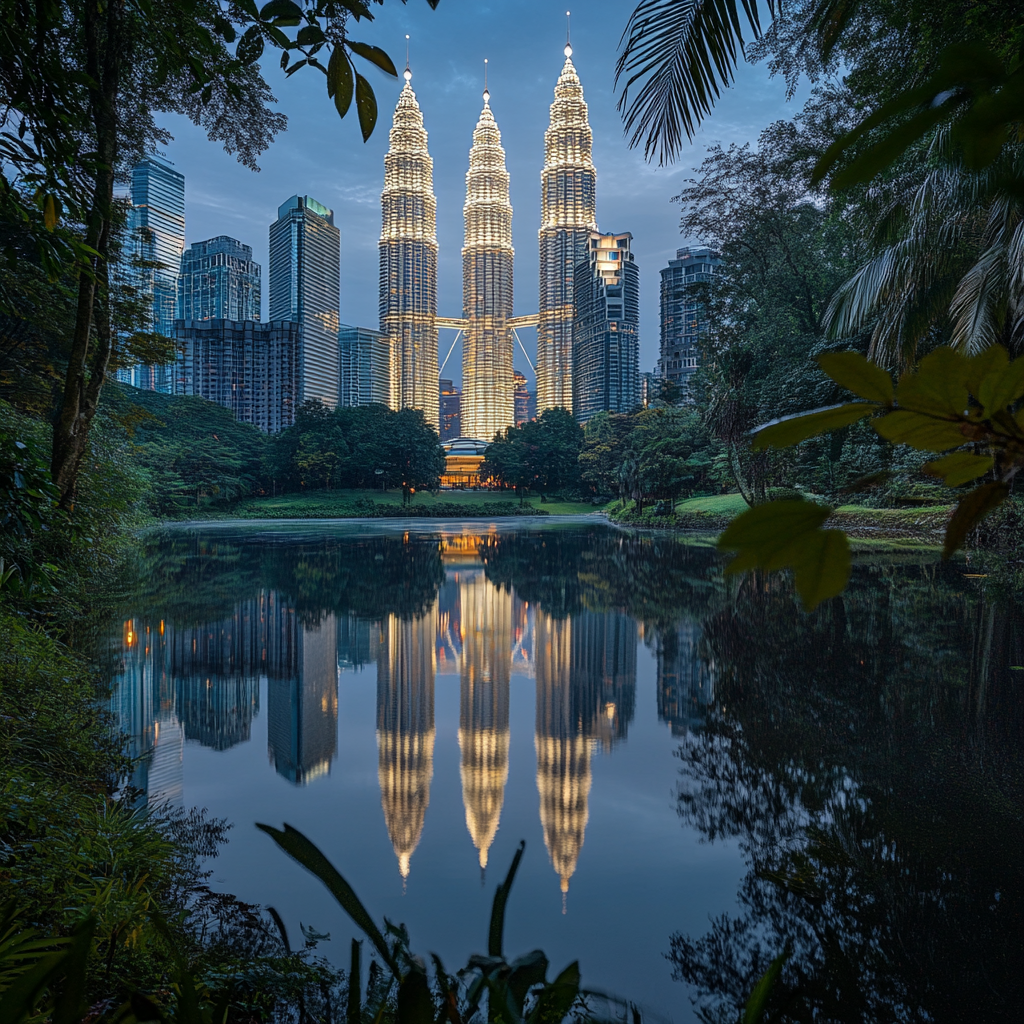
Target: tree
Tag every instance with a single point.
(543, 453)
(412, 452)
(80, 82)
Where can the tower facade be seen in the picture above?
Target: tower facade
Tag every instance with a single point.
(305, 287)
(408, 260)
(487, 387)
(157, 238)
(568, 195)
(219, 281)
(682, 316)
(606, 329)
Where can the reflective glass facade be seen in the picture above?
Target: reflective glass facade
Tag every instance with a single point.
(364, 367)
(156, 237)
(606, 331)
(681, 324)
(568, 216)
(408, 261)
(219, 281)
(487, 256)
(305, 288)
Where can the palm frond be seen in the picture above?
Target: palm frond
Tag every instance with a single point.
(978, 307)
(679, 54)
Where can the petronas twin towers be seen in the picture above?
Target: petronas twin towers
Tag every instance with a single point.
(408, 261)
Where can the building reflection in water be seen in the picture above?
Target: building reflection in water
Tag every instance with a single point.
(586, 693)
(142, 705)
(405, 727)
(686, 682)
(302, 693)
(486, 626)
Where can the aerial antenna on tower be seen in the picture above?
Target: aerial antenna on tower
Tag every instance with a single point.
(568, 41)
(487, 93)
(408, 70)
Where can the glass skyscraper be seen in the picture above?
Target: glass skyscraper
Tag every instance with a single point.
(305, 287)
(156, 238)
(568, 216)
(408, 260)
(364, 361)
(219, 281)
(606, 330)
(681, 324)
(487, 397)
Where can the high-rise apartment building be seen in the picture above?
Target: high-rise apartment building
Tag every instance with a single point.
(606, 329)
(156, 239)
(568, 216)
(219, 281)
(451, 410)
(248, 367)
(681, 321)
(364, 366)
(487, 256)
(408, 260)
(305, 288)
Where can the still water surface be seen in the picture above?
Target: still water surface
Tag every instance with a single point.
(701, 772)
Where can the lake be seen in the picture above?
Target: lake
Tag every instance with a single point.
(704, 775)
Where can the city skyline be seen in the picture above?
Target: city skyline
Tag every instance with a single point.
(323, 157)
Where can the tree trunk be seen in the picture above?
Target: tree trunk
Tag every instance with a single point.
(87, 369)
(738, 476)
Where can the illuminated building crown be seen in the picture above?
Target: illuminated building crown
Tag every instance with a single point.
(408, 175)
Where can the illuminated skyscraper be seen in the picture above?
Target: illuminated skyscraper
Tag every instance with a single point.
(408, 260)
(568, 205)
(487, 398)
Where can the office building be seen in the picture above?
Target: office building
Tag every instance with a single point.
(305, 282)
(681, 320)
(408, 260)
(219, 281)
(364, 366)
(568, 217)
(451, 410)
(248, 367)
(487, 256)
(155, 241)
(606, 329)
(525, 400)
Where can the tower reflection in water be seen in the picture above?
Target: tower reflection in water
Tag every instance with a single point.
(202, 683)
(405, 727)
(586, 692)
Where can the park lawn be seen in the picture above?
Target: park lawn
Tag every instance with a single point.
(719, 504)
(345, 503)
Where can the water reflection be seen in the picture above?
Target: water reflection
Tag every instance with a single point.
(866, 758)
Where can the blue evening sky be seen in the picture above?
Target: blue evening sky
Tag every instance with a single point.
(324, 157)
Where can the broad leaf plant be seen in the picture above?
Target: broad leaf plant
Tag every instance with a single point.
(962, 410)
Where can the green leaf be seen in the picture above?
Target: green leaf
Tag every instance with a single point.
(250, 46)
(789, 430)
(769, 536)
(958, 468)
(555, 1000)
(754, 1010)
(497, 928)
(823, 569)
(299, 848)
(991, 361)
(282, 12)
(999, 390)
(415, 1004)
(366, 106)
(972, 509)
(354, 1004)
(375, 55)
(919, 431)
(50, 215)
(20, 997)
(939, 385)
(340, 82)
(310, 35)
(859, 375)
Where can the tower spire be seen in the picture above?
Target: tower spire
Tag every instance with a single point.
(408, 70)
(568, 40)
(487, 92)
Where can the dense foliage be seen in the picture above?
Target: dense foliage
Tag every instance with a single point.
(540, 455)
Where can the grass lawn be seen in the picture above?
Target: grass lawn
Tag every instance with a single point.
(720, 504)
(344, 503)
